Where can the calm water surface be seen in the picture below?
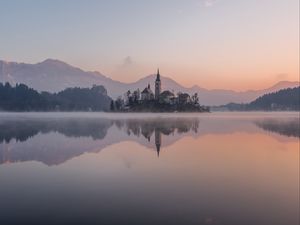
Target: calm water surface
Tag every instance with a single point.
(89, 168)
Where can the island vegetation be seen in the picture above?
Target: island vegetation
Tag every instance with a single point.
(182, 102)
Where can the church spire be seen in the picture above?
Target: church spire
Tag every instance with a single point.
(157, 86)
(158, 75)
(158, 150)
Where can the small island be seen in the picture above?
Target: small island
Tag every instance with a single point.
(159, 101)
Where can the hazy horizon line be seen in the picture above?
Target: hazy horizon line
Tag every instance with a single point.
(145, 76)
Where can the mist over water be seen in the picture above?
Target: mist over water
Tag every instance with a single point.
(101, 168)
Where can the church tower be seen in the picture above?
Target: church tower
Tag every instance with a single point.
(157, 86)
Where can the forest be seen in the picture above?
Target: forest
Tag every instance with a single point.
(22, 98)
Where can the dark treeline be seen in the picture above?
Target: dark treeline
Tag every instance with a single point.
(285, 100)
(23, 98)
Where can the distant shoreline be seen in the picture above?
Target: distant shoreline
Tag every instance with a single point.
(154, 113)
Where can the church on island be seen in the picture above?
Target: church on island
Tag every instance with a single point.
(157, 101)
(165, 96)
(162, 97)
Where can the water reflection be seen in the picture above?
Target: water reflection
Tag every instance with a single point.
(55, 140)
(290, 127)
(23, 129)
(212, 169)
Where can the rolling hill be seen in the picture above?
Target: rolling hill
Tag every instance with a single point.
(283, 100)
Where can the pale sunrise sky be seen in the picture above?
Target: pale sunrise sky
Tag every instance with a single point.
(228, 44)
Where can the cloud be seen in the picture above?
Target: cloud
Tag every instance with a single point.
(209, 3)
(127, 61)
(128, 67)
(282, 76)
(179, 11)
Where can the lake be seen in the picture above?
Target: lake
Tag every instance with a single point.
(97, 168)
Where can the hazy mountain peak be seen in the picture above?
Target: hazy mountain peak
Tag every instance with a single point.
(285, 83)
(49, 60)
(4, 62)
(54, 62)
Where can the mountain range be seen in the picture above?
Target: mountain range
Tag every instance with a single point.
(54, 76)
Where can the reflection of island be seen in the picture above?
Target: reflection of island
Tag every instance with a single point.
(286, 127)
(54, 141)
(159, 127)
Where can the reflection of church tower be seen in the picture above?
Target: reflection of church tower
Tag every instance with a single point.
(157, 140)
(5, 156)
(157, 85)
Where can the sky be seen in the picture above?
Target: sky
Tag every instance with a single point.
(228, 44)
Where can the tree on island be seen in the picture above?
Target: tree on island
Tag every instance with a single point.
(112, 105)
(195, 99)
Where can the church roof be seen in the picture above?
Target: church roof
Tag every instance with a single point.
(147, 91)
(166, 93)
(184, 95)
